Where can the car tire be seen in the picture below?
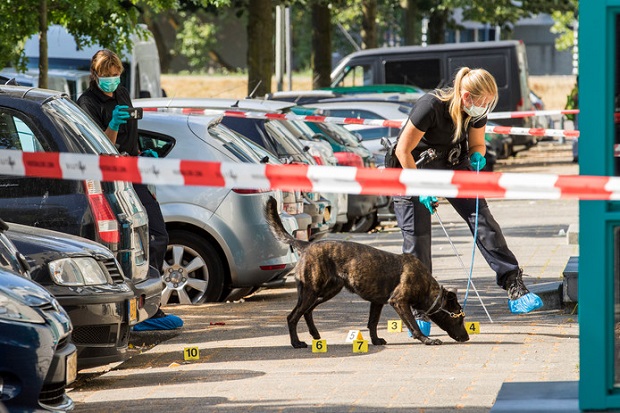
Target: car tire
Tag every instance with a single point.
(193, 272)
(361, 224)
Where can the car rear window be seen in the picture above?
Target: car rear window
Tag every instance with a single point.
(78, 127)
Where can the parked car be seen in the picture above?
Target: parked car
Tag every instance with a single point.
(88, 283)
(38, 359)
(543, 122)
(215, 233)
(323, 153)
(110, 213)
(274, 137)
(371, 135)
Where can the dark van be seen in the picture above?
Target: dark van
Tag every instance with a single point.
(430, 67)
(434, 66)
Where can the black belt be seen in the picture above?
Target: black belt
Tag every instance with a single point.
(452, 155)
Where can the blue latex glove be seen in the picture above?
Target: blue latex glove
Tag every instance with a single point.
(430, 202)
(119, 117)
(477, 161)
(149, 153)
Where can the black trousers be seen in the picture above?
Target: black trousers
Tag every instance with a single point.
(158, 235)
(414, 221)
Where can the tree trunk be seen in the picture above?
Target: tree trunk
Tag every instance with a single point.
(369, 24)
(260, 46)
(155, 26)
(411, 21)
(321, 58)
(437, 27)
(43, 62)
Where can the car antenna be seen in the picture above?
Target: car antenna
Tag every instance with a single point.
(251, 95)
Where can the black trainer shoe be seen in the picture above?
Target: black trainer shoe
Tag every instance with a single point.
(515, 287)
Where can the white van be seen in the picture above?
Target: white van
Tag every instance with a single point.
(71, 82)
(142, 75)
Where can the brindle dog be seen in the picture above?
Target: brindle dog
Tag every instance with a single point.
(377, 276)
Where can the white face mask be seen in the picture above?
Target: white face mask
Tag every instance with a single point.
(475, 111)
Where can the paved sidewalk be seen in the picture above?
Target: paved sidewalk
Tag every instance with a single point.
(247, 363)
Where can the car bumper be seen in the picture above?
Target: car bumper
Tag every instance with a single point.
(35, 383)
(101, 326)
(148, 294)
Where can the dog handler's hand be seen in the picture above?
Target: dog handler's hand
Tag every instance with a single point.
(430, 202)
(119, 117)
(477, 161)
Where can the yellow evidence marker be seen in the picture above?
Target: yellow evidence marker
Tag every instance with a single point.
(395, 326)
(354, 335)
(472, 327)
(191, 353)
(360, 346)
(319, 346)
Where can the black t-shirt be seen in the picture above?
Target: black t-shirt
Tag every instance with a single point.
(432, 116)
(100, 107)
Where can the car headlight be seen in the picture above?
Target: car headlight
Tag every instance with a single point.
(77, 271)
(13, 310)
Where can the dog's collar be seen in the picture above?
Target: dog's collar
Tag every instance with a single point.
(430, 311)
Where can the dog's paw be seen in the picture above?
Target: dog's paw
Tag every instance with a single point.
(299, 344)
(379, 342)
(433, 342)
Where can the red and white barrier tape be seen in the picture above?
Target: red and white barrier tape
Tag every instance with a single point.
(531, 113)
(334, 179)
(394, 123)
(398, 123)
(502, 130)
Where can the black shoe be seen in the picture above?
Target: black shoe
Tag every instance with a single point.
(159, 314)
(515, 287)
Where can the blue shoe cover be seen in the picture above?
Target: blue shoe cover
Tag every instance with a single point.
(425, 327)
(529, 302)
(167, 322)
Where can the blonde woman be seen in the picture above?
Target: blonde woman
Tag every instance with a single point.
(452, 122)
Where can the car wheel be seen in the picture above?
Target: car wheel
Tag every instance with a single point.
(362, 224)
(193, 272)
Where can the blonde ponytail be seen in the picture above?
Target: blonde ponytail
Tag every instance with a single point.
(478, 82)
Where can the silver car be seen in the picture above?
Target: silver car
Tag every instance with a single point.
(220, 244)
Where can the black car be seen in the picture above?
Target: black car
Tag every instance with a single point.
(37, 358)
(88, 283)
(110, 213)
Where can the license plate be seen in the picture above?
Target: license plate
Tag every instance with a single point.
(133, 309)
(71, 367)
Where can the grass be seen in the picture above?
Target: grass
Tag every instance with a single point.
(552, 89)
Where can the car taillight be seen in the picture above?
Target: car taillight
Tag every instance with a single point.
(244, 191)
(349, 159)
(272, 267)
(107, 224)
(318, 160)
(520, 105)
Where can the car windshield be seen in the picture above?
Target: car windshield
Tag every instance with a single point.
(77, 126)
(233, 143)
(283, 141)
(340, 134)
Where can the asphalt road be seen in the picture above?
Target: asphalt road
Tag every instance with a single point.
(246, 362)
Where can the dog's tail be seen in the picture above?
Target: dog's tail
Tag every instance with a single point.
(273, 219)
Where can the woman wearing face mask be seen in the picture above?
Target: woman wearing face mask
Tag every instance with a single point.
(452, 122)
(106, 101)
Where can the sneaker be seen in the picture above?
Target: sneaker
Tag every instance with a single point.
(515, 286)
